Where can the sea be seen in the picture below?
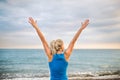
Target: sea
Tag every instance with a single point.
(32, 64)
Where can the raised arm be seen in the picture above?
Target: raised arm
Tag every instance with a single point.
(71, 45)
(44, 42)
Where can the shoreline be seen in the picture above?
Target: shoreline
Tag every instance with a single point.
(109, 77)
(74, 76)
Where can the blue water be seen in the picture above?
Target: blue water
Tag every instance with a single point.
(34, 61)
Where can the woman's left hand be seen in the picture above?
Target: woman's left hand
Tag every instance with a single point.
(84, 24)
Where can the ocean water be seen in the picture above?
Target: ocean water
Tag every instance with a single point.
(32, 63)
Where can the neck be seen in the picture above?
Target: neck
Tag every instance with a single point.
(60, 51)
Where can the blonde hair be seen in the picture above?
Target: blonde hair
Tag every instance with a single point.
(56, 45)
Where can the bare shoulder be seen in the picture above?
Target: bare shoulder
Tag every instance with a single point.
(50, 58)
(66, 57)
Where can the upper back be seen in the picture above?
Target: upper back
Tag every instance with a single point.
(58, 66)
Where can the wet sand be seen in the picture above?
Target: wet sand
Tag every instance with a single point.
(109, 77)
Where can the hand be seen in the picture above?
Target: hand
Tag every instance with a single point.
(84, 25)
(33, 22)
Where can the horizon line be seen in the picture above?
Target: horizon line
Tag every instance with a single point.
(73, 49)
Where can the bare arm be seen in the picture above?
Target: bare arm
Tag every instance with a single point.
(71, 45)
(45, 44)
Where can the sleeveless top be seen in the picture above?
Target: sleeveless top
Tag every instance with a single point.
(58, 67)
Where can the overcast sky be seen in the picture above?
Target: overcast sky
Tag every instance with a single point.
(60, 19)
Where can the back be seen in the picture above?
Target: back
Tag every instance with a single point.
(58, 67)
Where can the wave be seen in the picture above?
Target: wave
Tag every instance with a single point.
(94, 74)
(72, 76)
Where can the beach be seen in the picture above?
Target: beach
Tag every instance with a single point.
(109, 77)
(113, 77)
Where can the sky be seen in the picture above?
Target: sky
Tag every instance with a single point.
(60, 19)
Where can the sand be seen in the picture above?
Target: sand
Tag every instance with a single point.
(109, 77)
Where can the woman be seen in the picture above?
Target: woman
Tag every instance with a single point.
(58, 60)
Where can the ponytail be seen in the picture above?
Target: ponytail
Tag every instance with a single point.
(56, 45)
(52, 47)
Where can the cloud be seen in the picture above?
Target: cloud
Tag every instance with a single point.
(59, 19)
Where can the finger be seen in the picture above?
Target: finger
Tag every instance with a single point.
(31, 19)
(87, 23)
(29, 22)
(81, 23)
(87, 20)
(35, 21)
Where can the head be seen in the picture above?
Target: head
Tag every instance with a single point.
(56, 45)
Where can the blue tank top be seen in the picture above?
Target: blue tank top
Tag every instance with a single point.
(58, 67)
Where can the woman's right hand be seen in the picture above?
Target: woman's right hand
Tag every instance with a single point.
(33, 22)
